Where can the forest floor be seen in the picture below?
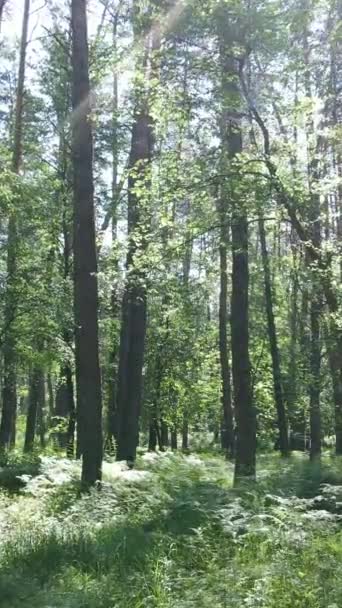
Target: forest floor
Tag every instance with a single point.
(172, 533)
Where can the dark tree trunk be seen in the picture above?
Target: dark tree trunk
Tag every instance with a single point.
(244, 411)
(292, 379)
(231, 136)
(315, 380)
(115, 304)
(277, 383)
(7, 426)
(88, 378)
(164, 434)
(174, 439)
(315, 230)
(133, 324)
(41, 414)
(51, 399)
(227, 427)
(65, 408)
(153, 437)
(185, 433)
(245, 416)
(35, 404)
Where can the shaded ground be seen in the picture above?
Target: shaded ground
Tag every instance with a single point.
(173, 534)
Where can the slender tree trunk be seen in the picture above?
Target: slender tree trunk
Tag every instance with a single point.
(232, 138)
(292, 380)
(315, 381)
(164, 433)
(174, 438)
(41, 414)
(185, 433)
(133, 324)
(7, 426)
(51, 398)
(315, 230)
(152, 439)
(115, 304)
(88, 378)
(227, 429)
(35, 407)
(277, 383)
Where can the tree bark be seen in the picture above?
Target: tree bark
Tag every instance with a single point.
(227, 428)
(185, 433)
(115, 304)
(164, 433)
(35, 405)
(174, 439)
(7, 426)
(272, 334)
(133, 324)
(245, 463)
(88, 380)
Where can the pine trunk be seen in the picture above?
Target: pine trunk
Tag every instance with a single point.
(272, 334)
(7, 426)
(35, 405)
(88, 378)
(227, 429)
(133, 324)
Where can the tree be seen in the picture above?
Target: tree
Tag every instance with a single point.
(278, 391)
(133, 327)
(7, 426)
(85, 263)
(232, 142)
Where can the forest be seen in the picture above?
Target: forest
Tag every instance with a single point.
(170, 303)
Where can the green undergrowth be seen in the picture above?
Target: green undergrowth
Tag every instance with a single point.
(173, 533)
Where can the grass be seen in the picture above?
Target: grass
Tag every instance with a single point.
(174, 533)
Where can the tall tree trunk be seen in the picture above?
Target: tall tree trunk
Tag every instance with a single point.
(245, 464)
(292, 380)
(133, 324)
(35, 405)
(51, 398)
(315, 230)
(88, 380)
(164, 433)
(174, 438)
(115, 304)
(315, 380)
(227, 430)
(9, 341)
(41, 415)
(277, 383)
(185, 433)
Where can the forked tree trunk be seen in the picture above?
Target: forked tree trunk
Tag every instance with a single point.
(272, 334)
(88, 380)
(7, 426)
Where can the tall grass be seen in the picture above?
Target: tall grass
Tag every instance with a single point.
(174, 533)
